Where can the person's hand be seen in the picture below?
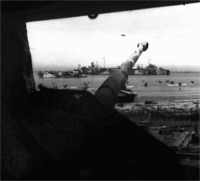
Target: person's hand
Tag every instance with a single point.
(143, 45)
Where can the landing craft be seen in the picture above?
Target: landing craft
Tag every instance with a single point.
(175, 84)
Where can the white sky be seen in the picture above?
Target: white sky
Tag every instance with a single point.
(172, 33)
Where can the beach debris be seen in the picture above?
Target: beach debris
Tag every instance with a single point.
(172, 82)
(186, 141)
(159, 81)
(86, 85)
(150, 102)
(146, 122)
(192, 81)
(168, 130)
(181, 110)
(165, 131)
(182, 140)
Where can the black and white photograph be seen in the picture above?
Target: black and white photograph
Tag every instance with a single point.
(100, 90)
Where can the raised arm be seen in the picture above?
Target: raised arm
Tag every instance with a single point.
(107, 92)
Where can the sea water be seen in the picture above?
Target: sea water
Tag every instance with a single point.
(157, 84)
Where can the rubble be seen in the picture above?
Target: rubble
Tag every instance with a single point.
(176, 109)
(175, 124)
(181, 140)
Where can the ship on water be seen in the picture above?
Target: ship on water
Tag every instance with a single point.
(150, 69)
(61, 74)
(95, 69)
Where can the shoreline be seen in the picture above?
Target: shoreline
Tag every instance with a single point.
(167, 98)
(182, 103)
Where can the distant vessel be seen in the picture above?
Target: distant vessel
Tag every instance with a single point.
(94, 69)
(59, 74)
(148, 70)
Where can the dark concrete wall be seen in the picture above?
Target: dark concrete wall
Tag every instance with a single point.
(16, 70)
(16, 83)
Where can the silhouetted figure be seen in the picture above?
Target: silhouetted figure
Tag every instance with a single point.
(146, 84)
(179, 84)
(54, 85)
(65, 86)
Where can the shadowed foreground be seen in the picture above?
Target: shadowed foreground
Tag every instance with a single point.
(68, 135)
